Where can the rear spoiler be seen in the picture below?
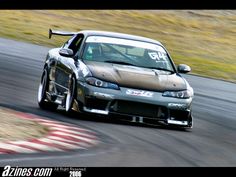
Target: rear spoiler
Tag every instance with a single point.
(61, 33)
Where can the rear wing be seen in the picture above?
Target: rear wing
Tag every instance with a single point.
(61, 33)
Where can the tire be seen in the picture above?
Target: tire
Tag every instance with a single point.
(43, 86)
(70, 95)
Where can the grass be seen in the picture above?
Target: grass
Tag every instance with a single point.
(203, 39)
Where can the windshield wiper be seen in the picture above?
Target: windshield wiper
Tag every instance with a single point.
(119, 62)
(126, 63)
(162, 69)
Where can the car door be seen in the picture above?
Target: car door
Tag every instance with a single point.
(66, 65)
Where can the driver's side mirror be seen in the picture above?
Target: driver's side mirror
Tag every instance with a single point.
(182, 68)
(66, 52)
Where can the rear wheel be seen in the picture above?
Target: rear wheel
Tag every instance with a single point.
(43, 86)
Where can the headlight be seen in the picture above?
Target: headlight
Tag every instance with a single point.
(99, 83)
(179, 94)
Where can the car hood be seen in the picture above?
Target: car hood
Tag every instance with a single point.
(136, 77)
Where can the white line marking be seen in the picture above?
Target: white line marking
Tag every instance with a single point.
(114, 149)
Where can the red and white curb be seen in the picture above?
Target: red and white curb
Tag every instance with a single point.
(61, 137)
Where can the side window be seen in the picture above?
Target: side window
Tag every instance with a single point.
(67, 44)
(76, 43)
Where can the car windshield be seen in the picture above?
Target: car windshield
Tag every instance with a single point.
(126, 52)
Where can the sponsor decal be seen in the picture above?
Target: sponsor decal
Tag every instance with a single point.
(139, 93)
(157, 56)
(177, 106)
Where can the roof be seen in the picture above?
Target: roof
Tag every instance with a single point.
(118, 35)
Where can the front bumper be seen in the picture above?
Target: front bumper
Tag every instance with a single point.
(145, 107)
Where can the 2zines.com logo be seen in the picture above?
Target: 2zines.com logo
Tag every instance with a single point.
(17, 171)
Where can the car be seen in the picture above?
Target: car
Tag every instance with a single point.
(115, 74)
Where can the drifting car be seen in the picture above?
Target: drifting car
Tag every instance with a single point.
(109, 73)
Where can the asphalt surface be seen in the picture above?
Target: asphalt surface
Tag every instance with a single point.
(212, 141)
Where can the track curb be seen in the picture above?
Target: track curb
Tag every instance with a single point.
(60, 137)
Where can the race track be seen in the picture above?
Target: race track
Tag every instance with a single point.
(212, 141)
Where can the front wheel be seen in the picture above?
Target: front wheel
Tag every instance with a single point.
(70, 95)
(42, 100)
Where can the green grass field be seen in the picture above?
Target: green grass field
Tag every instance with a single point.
(203, 39)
